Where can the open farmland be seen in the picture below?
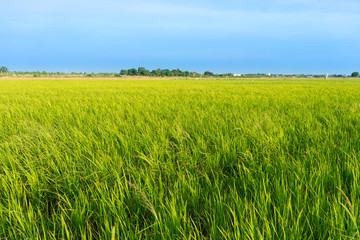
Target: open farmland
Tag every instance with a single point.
(179, 159)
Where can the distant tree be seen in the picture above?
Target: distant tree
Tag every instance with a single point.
(156, 72)
(355, 74)
(176, 72)
(143, 71)
(182, 74)
(207, 73)
(4, 69)
(146, 72)
(124, 72)
(167, 72)
(132, 72)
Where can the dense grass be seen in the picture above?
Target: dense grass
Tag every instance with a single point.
(179, 159)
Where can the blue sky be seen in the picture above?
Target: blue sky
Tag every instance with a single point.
(243, 36)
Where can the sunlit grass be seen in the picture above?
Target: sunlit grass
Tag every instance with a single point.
(179, 159)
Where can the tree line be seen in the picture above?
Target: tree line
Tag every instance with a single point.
(141, 71)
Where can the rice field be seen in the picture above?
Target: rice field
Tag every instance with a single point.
(179, 159)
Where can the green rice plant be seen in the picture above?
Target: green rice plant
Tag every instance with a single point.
(179, 159)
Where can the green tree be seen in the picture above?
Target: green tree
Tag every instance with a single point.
(4, 69)
(176, 72)
(124, 72)
(132, 72)
(156, 72)
(143, 71)
(167, 72)
(355, 74)
(208, 73)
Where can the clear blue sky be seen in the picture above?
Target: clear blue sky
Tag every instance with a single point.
(238, 36)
